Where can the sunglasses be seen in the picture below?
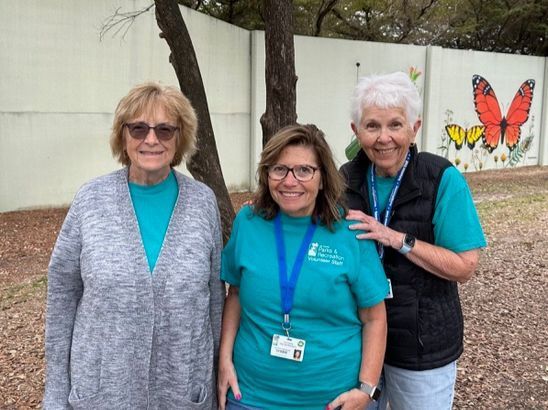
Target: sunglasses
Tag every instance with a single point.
(140, 130)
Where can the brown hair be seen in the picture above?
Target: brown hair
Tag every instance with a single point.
(330, 206)
(144, 98)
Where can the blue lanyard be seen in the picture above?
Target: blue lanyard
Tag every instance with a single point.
(287, 285)
(391, 198)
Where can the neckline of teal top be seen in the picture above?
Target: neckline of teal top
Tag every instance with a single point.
(299, 220)
(382, 179)
(153, 189)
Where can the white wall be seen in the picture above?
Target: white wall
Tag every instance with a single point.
(327, 75)
(223, 53)
(327, 72)
(60, 84)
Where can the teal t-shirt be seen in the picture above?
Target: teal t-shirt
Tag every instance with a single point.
(338, 276)
(456, 222)
(153, 206)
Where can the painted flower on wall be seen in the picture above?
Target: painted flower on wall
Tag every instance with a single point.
(414, 73)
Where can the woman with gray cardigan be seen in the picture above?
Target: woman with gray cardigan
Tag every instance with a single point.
(134, 296)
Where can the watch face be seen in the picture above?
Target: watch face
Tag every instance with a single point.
(409, 240)
(376, 394)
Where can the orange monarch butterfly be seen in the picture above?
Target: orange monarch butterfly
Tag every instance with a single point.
(459, 135)
(488, 109)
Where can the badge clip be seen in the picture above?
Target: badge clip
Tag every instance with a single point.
(286, 324)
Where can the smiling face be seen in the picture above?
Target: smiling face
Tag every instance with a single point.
(385, 136)
(294, 197)
(150, 158)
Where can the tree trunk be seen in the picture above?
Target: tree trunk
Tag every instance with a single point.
(281, 80)
(204, 164)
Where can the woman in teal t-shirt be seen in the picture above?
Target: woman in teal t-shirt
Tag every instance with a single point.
(304, 324)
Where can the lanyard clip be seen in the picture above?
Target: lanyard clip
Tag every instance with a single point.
(286, 324)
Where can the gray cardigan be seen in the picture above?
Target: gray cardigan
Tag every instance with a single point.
(118, 337)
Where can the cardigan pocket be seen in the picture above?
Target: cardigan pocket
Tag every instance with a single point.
(199, 398)
(86, 359)
(101, 400)
(90, 402)
(102, 353)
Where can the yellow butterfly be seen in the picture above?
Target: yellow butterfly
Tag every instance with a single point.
(458, 134)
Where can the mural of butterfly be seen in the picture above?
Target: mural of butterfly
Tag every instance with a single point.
(460, 135)
(498, 127)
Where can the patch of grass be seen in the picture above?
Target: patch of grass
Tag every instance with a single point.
(522, 208)
(22, 292)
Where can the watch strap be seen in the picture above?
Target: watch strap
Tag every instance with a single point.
(407, 245)
(372, 391)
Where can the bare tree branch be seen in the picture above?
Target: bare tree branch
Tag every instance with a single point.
(119, 22)
(324, 10)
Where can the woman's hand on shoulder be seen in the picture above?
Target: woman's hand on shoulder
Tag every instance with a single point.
(373, 229)
(227, 379)
(350, 400)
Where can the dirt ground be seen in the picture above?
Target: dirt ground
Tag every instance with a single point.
(505, 361)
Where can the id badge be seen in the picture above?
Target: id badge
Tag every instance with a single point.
(288, 348)
(390, 294)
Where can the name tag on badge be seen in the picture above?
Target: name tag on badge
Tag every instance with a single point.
(390, 294)
(288, 348)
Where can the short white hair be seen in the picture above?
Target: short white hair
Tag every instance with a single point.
(394, 90)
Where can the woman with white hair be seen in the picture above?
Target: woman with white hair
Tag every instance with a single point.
(419, 209)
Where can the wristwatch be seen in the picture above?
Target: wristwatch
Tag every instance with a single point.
(371, 391)
(408, 243)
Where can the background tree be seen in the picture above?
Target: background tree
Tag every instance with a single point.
(281, 80)
(510, 26)
(242, 13)
(204, 165)
(519, 26)
(275, 17)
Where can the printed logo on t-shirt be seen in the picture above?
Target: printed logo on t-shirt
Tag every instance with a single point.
(324, 254)
(313, 249)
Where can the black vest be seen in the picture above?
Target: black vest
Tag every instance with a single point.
(425, 324)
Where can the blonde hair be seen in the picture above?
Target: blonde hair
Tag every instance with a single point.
(145, 98)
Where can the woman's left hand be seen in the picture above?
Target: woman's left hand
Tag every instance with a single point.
(350, 400)
(227, 380)
(374, 229)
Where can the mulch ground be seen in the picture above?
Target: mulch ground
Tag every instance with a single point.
(505, 362)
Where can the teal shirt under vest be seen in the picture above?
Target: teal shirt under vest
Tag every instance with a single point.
(456, 222)
(153, 205)
(339, 275)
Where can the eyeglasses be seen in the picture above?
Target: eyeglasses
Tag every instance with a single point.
(302, 173)
(140, 130)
